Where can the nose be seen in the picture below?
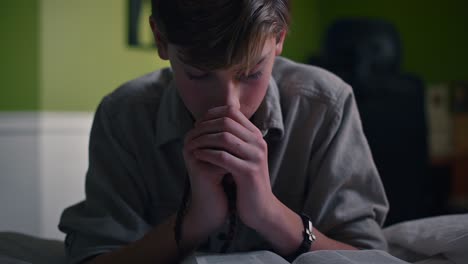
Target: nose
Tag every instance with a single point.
(229, 94)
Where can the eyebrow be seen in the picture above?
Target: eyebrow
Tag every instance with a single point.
(260, 61)
(239, 70)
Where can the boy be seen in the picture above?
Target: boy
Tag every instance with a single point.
(230, 149)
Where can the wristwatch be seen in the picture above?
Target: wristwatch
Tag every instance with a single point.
(308, 238)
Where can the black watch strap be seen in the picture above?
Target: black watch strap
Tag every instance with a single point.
(307, 240)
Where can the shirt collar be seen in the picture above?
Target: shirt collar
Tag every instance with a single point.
(269, 116)
(174, 120)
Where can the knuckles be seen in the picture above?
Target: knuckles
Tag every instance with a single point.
(221, 156)
(231, 111)
(262, 144)
(226, 123)
(225, 137)
(257, 156)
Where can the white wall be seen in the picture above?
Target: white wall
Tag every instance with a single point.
(43, 161)
(19, 177)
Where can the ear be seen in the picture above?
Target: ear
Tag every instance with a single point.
(161, 44)
(280, 42)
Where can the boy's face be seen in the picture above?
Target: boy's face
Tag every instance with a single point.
(201, 91)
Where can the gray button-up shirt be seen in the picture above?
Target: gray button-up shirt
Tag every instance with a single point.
(319, 162)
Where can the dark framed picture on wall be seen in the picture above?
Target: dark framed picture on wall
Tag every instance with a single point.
(138, 30)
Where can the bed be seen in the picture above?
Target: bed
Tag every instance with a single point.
(435, 240)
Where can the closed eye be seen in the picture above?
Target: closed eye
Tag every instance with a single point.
(251, 77)
(204, 76)
(198, 77)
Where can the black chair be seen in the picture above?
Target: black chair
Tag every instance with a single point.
(366, 53)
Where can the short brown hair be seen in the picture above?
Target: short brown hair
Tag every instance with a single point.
(214, 34)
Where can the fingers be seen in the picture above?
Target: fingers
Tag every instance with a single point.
(221, 129)
(217, 125)
(223, 141)
(197, 167)
(222, 159)
(224, 137)
(231, 112)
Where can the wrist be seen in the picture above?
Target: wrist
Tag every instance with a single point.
(283, 228)
(308, 238)
(271, 216)
(196, 226)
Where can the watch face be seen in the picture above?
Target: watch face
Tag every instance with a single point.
(308, 238)
(308, 228)
(308, 231)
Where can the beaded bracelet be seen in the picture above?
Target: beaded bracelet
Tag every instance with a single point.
(180, 217)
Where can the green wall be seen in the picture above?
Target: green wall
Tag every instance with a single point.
(19, 52)
(304, 32)
(66, 55)
(84, 54)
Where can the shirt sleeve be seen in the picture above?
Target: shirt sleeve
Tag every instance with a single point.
(113, 213)
(345, 198)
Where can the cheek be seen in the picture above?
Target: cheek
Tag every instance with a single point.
(190, 95)
(252, 96)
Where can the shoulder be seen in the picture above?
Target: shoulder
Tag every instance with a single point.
(146, 90)
(310, 83)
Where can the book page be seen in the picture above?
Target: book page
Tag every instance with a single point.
(255, 257)
(348, 257)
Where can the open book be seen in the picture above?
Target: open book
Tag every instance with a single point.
(316, 257)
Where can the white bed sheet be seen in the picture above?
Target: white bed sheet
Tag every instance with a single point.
(430, 238)
(436, 240)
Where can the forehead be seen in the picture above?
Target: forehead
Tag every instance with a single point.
(263, 53)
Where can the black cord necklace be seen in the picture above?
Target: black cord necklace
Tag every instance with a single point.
(230, 189)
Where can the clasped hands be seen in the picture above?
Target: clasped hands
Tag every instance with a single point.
(222, 142)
